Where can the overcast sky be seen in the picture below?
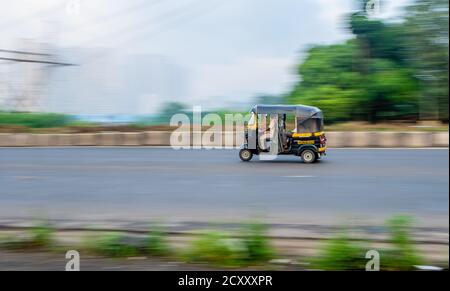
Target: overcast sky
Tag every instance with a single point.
(230, 50)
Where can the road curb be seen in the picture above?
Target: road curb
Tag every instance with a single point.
(162, 138)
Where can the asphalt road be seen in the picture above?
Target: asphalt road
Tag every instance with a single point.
(214, 185)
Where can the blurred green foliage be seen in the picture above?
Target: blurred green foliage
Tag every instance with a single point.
(165, 114)
(40, 236)
(34, 120)
(169, 109)
(217, 248)
(256, 242)
(387, 71)
(156, 242)
(342, 253)
(251, 247)
(112, 245)
(402, 255)
(222, 249)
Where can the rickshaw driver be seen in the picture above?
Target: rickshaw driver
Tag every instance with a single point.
(266, 136)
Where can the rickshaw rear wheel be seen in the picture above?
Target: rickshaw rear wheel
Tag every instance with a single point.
(308, 156)
(245, 155)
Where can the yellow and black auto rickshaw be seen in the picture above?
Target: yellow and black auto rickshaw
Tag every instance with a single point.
(267, 132)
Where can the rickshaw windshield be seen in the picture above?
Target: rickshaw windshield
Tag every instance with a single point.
(251, 121)
(309, 125)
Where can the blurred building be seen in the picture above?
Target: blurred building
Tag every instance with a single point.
(106, 82)
(25, 73)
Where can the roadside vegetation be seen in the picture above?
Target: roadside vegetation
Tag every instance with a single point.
(249, 246)
(112, 245)
(154, 243)
(157, 242)
(34, 120)
(40, 236)
(402, 254)
(344, 253)
(388, 70)
(80, 127)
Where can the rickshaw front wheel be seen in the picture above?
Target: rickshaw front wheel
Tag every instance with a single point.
(245, 155)
(308, 156)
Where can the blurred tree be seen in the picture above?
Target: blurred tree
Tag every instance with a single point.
(427, 44)
(391, 86)
(392, 91)
(383, 72)
(168, 110)
(269, 99)
(331, 82)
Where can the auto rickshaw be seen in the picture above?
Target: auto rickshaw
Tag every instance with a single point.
(266, 132)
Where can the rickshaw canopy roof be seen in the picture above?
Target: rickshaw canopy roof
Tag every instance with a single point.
(302, 111)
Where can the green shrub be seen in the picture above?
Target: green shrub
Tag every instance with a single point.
(34, 120)
(217, 248)
(220, 248)
(402, 255)
(113, 245)
(42, 235)
(156, 242)
(256, 242)
(39, 236)
(341, 254)
(14, 243)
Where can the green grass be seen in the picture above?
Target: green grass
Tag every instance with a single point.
(214, 247)
(112, 245)
(9, 242)
(40, 236)
(249, 246)
(256, 243)
(341, 253)
(34, 120)
(222, 249)
(402, 254)
(156, 242)
(217, 248)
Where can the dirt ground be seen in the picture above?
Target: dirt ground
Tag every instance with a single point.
(49, 261)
